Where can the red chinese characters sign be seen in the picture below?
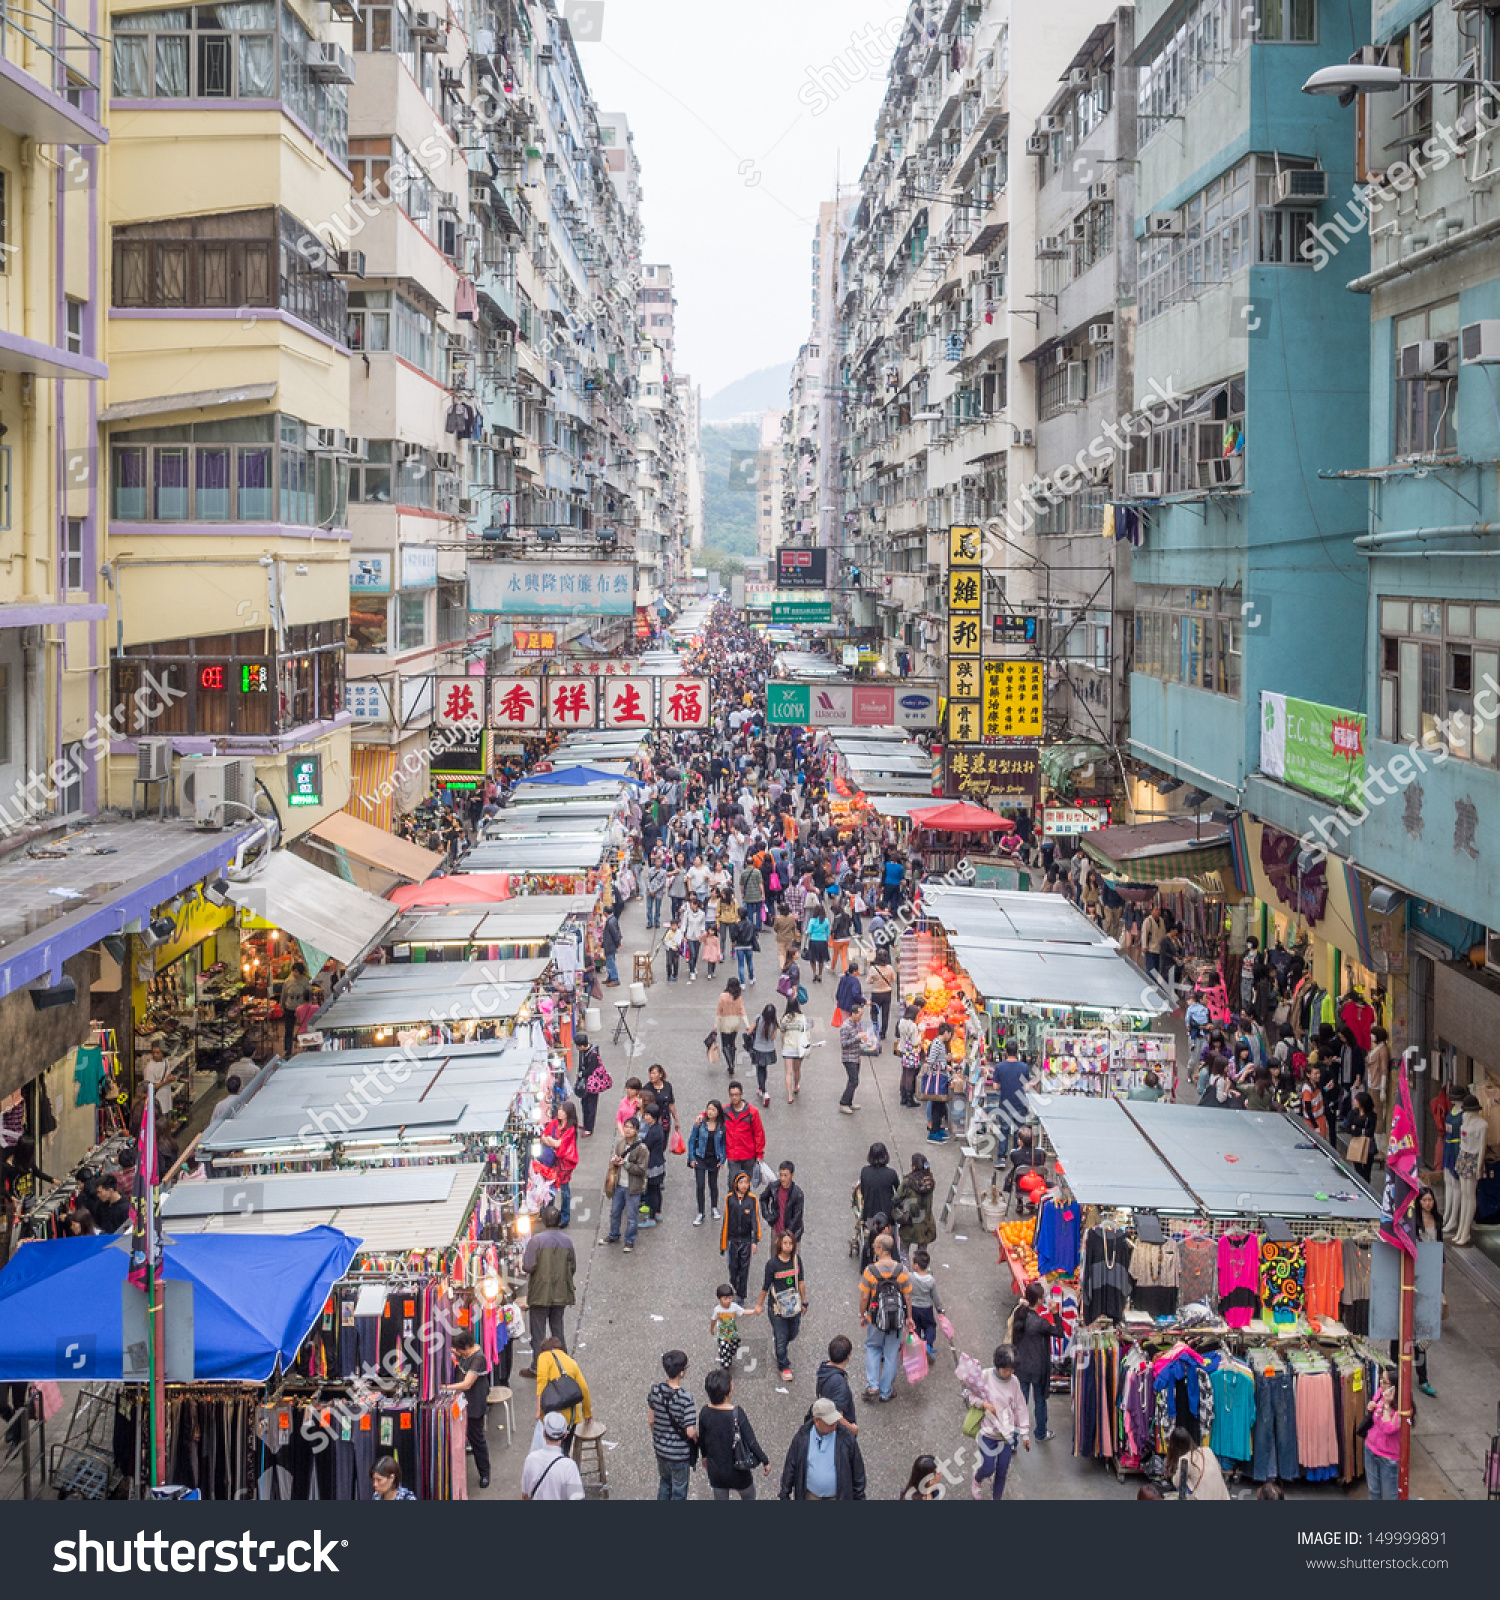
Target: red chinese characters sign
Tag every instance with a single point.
(460, 702)
(628, 704)
(684, 703)
(515, 702)
(570, 703)
(533, 642)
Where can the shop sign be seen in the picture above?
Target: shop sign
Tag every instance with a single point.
(533, 642)
(849, 655)
(623, 668)
(369, 573)
(1013, 630)
(571, 703)
(1318, 749)
(1064, 822)
(986, 772)
(418, 566)
(304, 780)
(965, 546)
(965, 636)
(801, 611)
(963, 720)
(1012, 699)
(801, 569)
(759, 595)
(685, 703)
(964, 587)
(516, 702)
(368, 699)
(460, 703)
(627, 704)
(556, 589)
(916, 705)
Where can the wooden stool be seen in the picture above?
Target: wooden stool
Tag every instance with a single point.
(591, 1434)
(501, 1396)
(643, 973)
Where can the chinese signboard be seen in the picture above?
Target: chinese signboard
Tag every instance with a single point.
(516, 702)
(963, 678)
(684, 702)
(964, 636)
(758, 596)
(964, 547)
(418, 566)
(627, 704)
(858, 705)
(801, 569)
(623, 668)
(1319, 749)
(1064, 822)
(460, 703)
(991, 772)
(1013, 630)
(367, 699)
(370, 573)
(304, 780)
(965, 591)
(571, 703)
(533, 642)
(801, 611)
(562, 589)
(1012, 700)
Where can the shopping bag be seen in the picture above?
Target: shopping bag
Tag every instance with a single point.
(973, 1418)
(679, 1144)
(914, 1359)
(764, 1176)
(713, 1052)
(944, 1324)
(801, 994)
(838, 1017)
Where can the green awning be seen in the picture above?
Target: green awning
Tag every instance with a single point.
(1060, 761)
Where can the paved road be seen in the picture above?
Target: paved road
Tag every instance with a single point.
(633, 1307)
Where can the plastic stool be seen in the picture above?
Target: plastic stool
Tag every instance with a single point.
(501, 1396)
(643, 973)
(590, 1434)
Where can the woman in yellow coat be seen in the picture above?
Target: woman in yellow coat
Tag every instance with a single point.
(552, 1362)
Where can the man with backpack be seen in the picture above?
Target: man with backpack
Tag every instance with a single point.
(885, 1314)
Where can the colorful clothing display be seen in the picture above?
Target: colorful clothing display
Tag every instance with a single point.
(1283, 1270)
(1057, 1234)
(1239, 1278)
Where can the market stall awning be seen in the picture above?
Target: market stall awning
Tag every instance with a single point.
(464, 889)
(320, 911)
(961, 817)
(433, 991)
(254, 1301)
(536, 855)
(580, 776)
(1093, 977)
(374, 847)
(1153, 852)
(1197, 1159)
(1060, 761)
(993, 915)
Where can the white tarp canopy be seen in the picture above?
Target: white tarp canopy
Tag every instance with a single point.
(320, 911)
(1092, 976)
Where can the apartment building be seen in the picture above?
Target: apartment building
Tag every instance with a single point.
(770, 479)
(226, 415)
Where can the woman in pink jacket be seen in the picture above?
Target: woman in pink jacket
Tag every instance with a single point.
(1006, 1422)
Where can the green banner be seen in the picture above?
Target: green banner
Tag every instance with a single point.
(801, 611)
(1318, 749)
(789, 704)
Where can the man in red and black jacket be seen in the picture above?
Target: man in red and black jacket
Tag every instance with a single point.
(744, 1135)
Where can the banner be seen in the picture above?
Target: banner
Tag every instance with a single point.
(801, 611)
(1012, 700)
(1318, 749)
(460, 703)
(555, 589)
(853, 705)
(515, 702)
(1066, 822)
(990, 772)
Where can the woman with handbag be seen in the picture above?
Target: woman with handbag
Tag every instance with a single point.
(794, 1046)
(560, 1136)
(937, 1083)
(787, 1290)
(764, 1042)
(560, 1387)
(1360, 1152)
(728, 1448)
(908, 1047)
(593, 1079)
(731, 1019)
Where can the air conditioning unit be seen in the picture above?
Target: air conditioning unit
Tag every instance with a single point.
(1049, 124)
(444, 460)
(1479, 344)
(409, 451)
(330, 63)
(1099, 191)
(481, 192)
(428, 25)
(1301, 186)
(348, 263)
(1426, 357)
(1076, 383)
(468, 508)
(153, 760)
(1051, 244)
(1163, 224)
(546, 56)
(1036, 144)
(328, 439)
(1143, 485)
(213, 784)
(472, 233)
(356, 449)
(1079, 228)
(1101, 333)
(1078, 77)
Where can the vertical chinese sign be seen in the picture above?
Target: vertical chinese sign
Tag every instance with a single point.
(965, 634)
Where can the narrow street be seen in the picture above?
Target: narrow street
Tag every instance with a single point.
(632, 1308)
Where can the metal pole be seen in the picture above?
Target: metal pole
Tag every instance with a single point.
(1404, 1371)
(156, 1368)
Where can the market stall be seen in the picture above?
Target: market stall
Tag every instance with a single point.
(453, 1002)
(505, 930)
(1223, 1266)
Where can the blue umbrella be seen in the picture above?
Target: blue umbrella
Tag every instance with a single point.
(256, 1297)
(577, 777)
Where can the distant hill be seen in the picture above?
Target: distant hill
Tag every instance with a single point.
(729, 503)
(755, 392)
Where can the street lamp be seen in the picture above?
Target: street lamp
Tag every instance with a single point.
(1352, 80)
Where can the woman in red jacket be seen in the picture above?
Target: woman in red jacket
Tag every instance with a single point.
(561, 1137)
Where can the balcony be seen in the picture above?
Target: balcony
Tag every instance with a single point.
(60, 52)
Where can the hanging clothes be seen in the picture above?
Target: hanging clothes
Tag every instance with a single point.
(466, 301)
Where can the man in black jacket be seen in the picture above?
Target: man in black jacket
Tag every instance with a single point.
(833, 1381)
(611, 941)
(823, 1461)
(781, 1205)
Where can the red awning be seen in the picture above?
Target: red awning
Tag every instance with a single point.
(461, 889)
(960, 817)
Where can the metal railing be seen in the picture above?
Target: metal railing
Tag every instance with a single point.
(34, 23)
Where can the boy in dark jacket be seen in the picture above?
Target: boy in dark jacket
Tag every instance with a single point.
(833, 1381)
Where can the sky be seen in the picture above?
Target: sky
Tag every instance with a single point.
(742, 125)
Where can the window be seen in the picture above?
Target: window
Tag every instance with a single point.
(1189, 636)
(1200, 443)
(1440, 674)
(368, 325)
(1414, 113)
(246, 50)
(73, 335)
(412, 631)
(1104, 368)
(70, 793)
(1426, 346)
(72, 554)
(1192, 56)
(1286, 22)
(241, 470)
(238, 258)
